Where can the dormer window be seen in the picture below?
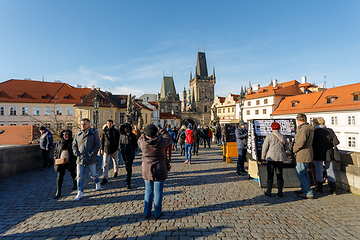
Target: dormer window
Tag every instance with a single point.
(356, 96)
(294, 103)
(330, 99)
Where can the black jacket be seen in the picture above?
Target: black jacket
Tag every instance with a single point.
(323, 143)
(63, 144)
(109, 142)
(196, 135)
(128, 141)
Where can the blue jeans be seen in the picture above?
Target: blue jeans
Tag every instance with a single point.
(188, 148)
(80, 169)
(153, 190)
(329, 171)
(240, 162)
(303, 176)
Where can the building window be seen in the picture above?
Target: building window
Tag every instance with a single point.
(69, 112)
(264, 111)
(59, 126)
(47, 112)
(12, 110)
(334, 120)
(294, 103)
(48, 125)
(24, 124)
(12, 124)
(2, 111)
(228, 110)
(256, 112)
(2, 124)
(351, 141)
(122, 117)
(351, 120)
(146, 118)
(58, 111)
(257, 102)
(233, 109)
(205, 109)
(69, 125)
(219, 110)
(247, 112)
(356, 97)
(24, 111)
(265, 101)
(36, 111)
(168, 108)
(330, 99)
(249, 103)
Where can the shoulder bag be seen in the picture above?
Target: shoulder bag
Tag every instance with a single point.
(168, 166)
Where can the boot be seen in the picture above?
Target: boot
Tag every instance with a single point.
(280, 185)
(58, 194)
(333, 188)
(74, 185)
(269, 186)
(319, 187)
(78, 196)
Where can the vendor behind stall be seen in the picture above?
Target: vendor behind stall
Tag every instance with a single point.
(241, 135)
(274, 152)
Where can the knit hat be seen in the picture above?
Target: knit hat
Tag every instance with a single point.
(42, 128)
(275, 126)
(189, 126)
(241, 122)
(151, 130)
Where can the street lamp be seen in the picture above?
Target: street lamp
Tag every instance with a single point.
(96, 103)
(242, 101)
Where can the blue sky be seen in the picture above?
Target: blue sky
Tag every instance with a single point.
(126, 46)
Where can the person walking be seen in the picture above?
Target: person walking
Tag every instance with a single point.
(109, 145)
(46, 144)
(325, 140)
(218, 134)
(154, 169)
(189, 140)
(181, 139)
(241, 135)
(169, 148)
(303, 151)
(274, 152)
(196, 141)
(205, 136)
(85, 146)
(175, 139)
(127, 146)
(63, 148)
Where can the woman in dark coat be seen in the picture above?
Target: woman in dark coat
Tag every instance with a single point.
(323, 146)
(154, 169)
(63, 145)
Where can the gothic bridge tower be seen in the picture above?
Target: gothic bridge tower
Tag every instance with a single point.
(202, 89)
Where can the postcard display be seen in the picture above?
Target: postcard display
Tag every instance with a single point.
(258, 129)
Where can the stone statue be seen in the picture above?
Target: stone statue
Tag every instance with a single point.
(130, 110)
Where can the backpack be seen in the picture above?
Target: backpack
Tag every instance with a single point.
(189, 136)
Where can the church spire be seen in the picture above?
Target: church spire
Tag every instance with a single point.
(214, 70)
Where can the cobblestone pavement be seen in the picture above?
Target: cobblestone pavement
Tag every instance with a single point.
(204, 200)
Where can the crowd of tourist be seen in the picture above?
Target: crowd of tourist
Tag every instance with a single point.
(314, 143)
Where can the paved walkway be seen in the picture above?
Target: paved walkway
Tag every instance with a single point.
(204, 200)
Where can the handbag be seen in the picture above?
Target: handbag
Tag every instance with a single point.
(64, 156)
(168, 166)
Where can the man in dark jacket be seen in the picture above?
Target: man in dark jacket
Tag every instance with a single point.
(241, 135)
(85, 146)
(206, 136)
(109, 146)
(196, 140)
(303, 151)
(127, 146)
(46, 144)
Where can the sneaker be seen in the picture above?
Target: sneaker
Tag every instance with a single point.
(305, 196)
(78, 196)
(98, 186)
(104, 181)
(115, 174)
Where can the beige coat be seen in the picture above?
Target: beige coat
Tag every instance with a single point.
(303, 143)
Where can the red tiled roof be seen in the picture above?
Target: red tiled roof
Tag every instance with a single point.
(29, 91)
(222, 99)
(317, 102)
(18, 135)
(168, 116)
(289, 88)
(235, 97)
(155, 104)
(305, 103)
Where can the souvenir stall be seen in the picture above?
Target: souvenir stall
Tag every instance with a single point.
(229, 148)
(257, 131)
